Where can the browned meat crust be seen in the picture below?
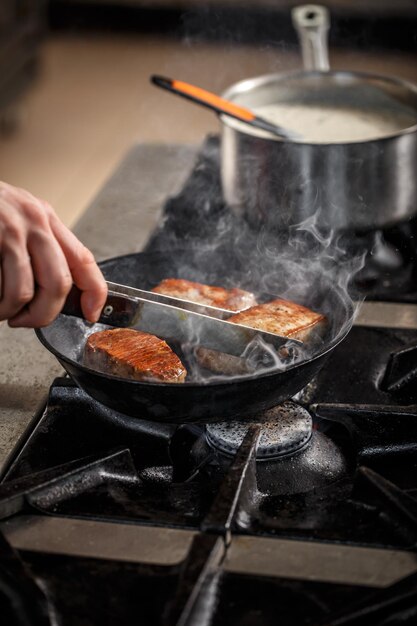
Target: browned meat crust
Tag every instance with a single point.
(230, 299)
(133, 354)
(279, 316)
(282, 317)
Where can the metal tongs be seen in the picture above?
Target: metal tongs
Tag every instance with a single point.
(176, 319)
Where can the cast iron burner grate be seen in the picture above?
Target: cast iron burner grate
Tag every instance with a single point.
(285, 429)
(223, 550)
(350, 491)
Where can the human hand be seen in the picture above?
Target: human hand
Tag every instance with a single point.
(40, 259)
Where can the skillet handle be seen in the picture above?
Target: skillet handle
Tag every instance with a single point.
(312, 22)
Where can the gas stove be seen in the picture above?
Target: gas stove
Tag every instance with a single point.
(305, 514)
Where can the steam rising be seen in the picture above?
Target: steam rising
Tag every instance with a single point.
(304, 264)
(200, 239)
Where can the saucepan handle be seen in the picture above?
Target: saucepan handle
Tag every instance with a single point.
(312, 22)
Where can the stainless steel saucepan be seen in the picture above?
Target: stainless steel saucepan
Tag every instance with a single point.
(354, 166)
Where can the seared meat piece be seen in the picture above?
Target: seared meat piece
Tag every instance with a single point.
(222, 363)
(230, 299)
(133, 354)
(282, 317)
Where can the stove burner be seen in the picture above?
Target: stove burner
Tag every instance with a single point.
(286, 429)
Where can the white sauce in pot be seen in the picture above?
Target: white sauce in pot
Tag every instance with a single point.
(317, 124)
(348, 115)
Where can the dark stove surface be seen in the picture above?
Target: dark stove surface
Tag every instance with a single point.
(241, 530)
(110, 519)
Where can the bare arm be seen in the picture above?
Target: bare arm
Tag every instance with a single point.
(40, 258)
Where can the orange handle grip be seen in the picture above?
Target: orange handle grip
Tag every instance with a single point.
(212, 100)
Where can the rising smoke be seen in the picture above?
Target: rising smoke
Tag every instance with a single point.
(302, 263)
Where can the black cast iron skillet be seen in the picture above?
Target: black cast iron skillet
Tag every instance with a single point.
(197, 402)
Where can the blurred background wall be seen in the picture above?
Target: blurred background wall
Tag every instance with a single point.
(75, 91)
